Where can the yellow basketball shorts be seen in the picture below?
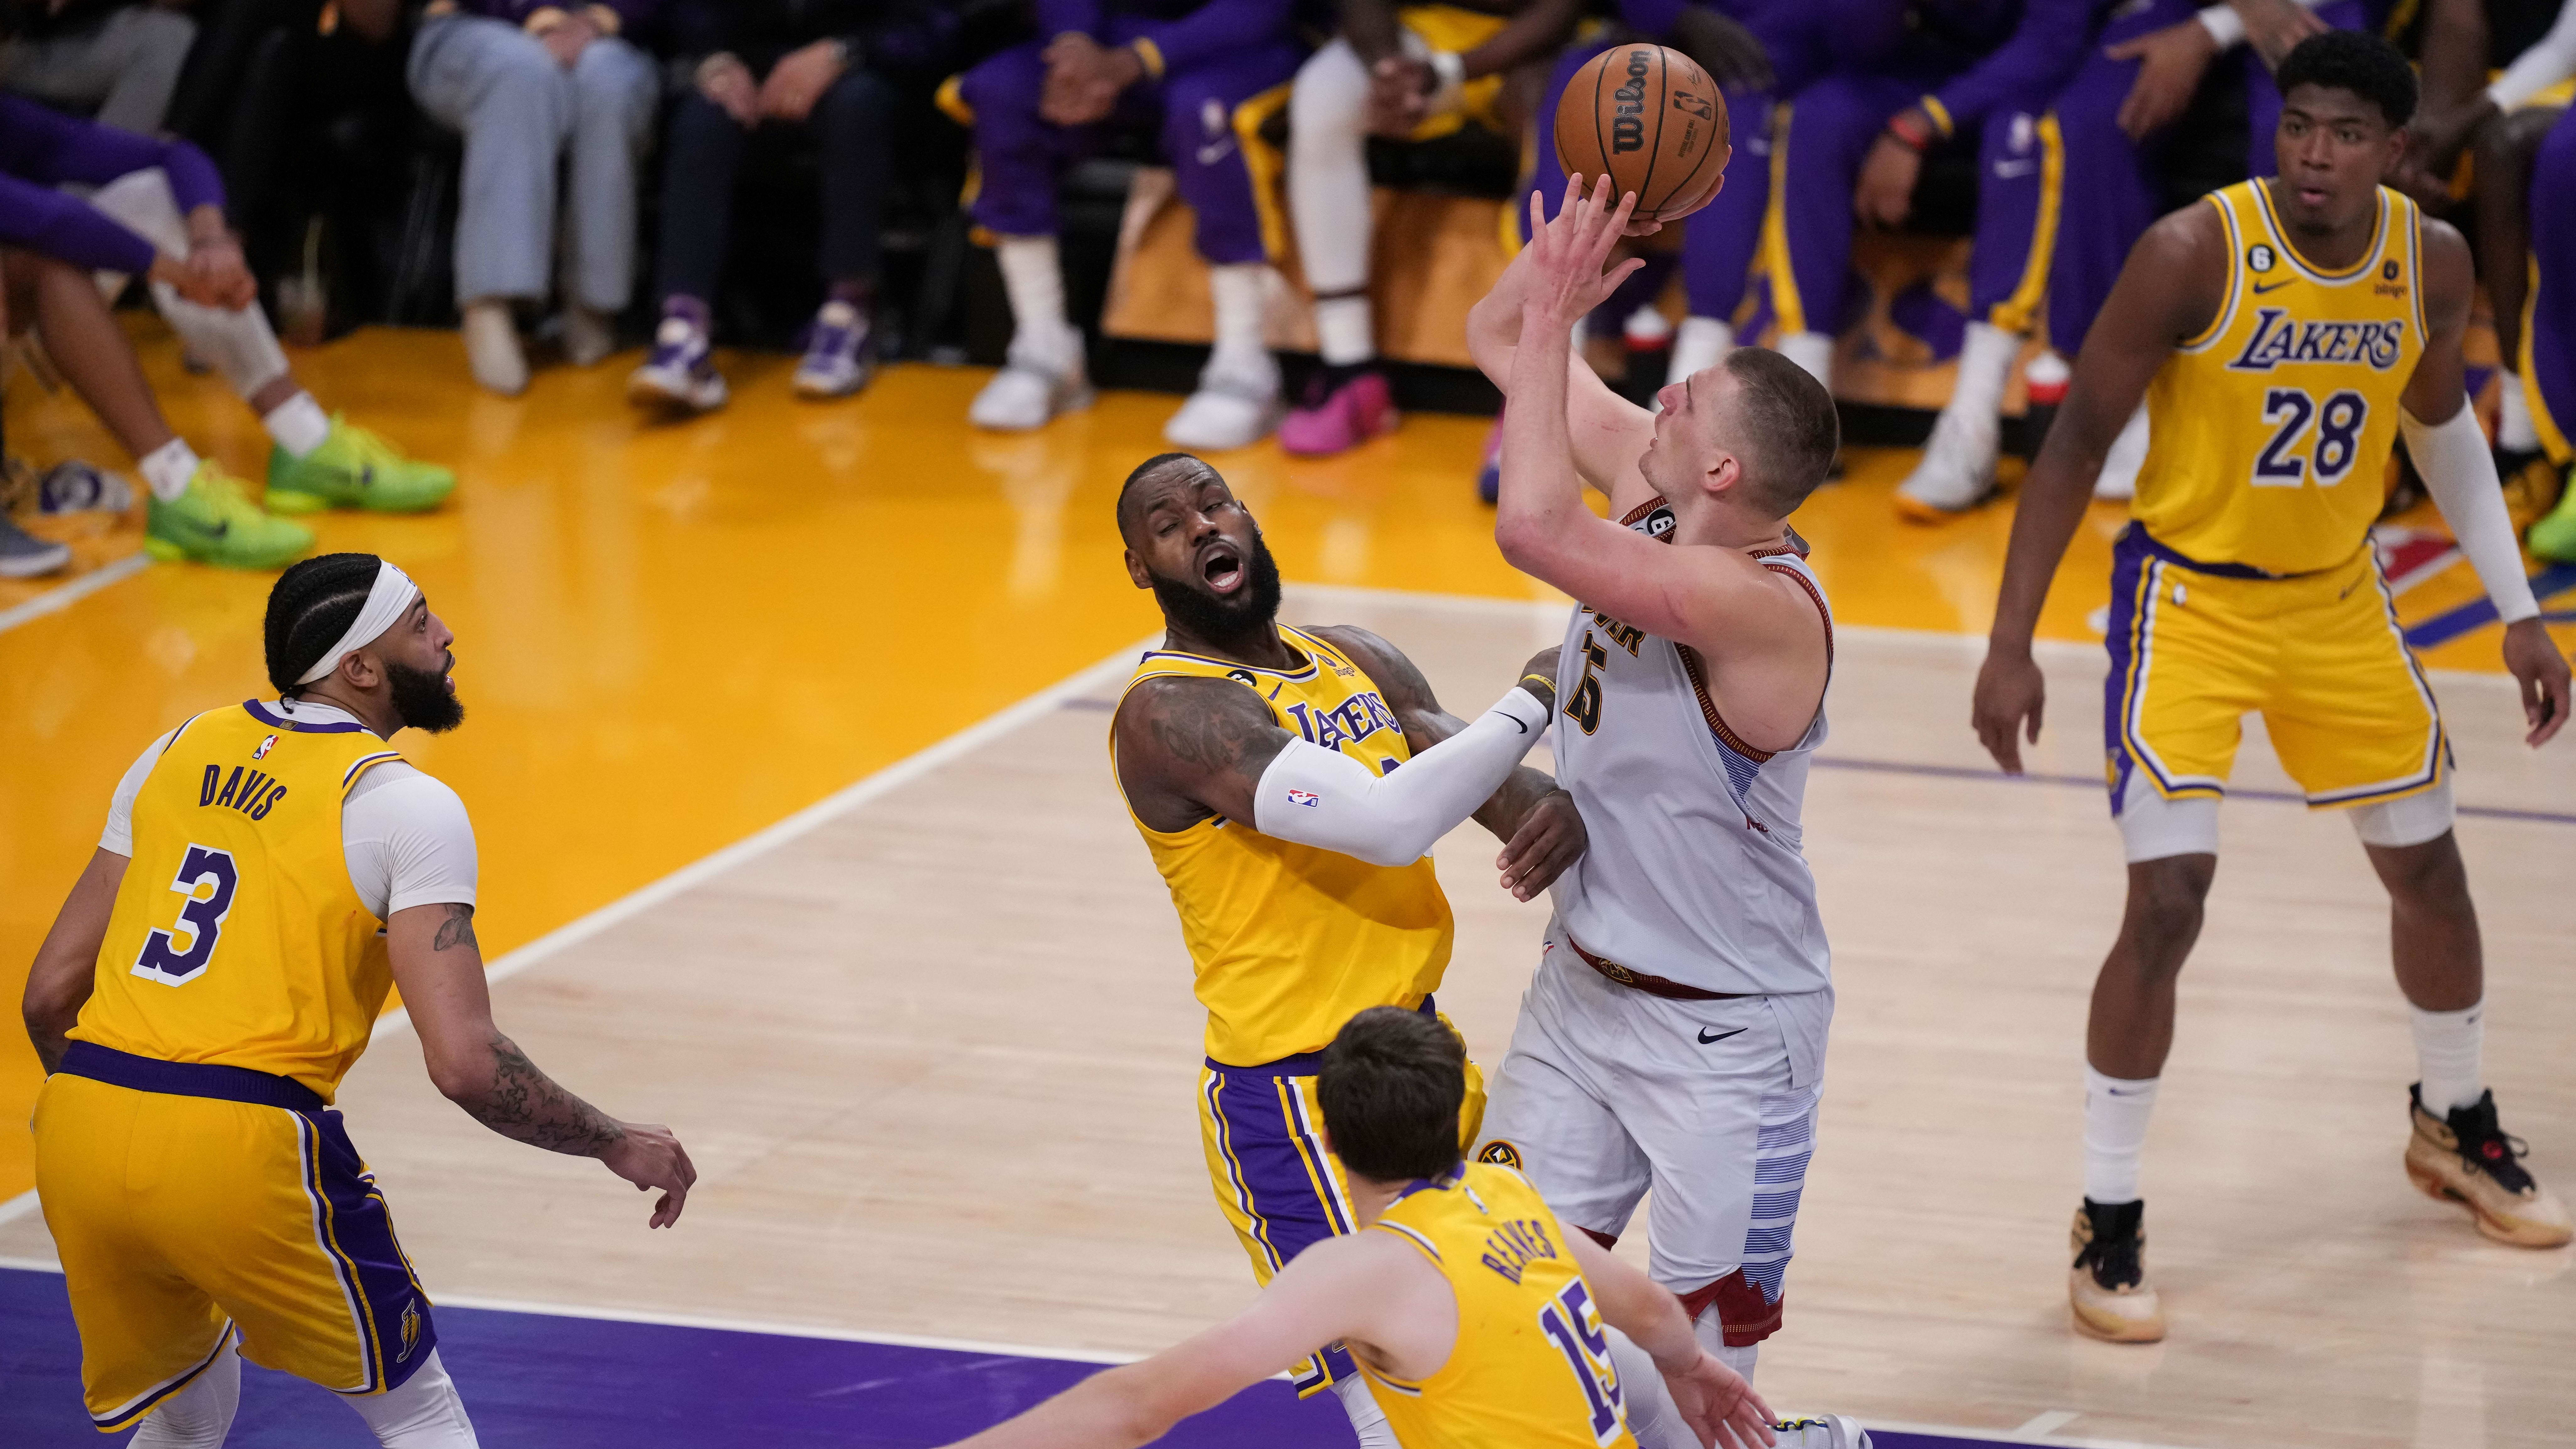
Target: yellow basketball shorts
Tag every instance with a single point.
(191, 1202)
(2196, 647)
(1457, 29)
(1278, 1187)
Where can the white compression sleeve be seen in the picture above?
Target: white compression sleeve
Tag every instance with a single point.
(424, 1413)
(200, 1415)
(1324, 798)
(2461, 475)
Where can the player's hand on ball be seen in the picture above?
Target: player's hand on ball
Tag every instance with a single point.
(1566, 255)
(1550, 838)
(2011, 693)
(647, 1155)
(1719, 1404)
(2536, 665)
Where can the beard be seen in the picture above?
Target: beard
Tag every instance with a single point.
(1189, 607)
(422, 700)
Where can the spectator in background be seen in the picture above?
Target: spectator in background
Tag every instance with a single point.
(114, 60)
(534, 86)
(159, 213)
(822, 67)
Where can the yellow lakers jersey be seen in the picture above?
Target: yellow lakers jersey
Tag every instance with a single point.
(2270, 430)
(237, 937)
(1532, 1366)
(1288, 942)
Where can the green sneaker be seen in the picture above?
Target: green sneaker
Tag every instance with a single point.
(215, 522)
(2554, 537)
(354, 468)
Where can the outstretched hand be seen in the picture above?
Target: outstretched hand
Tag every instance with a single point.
(2541, 671)
(1720, 1406)
(1566, 255)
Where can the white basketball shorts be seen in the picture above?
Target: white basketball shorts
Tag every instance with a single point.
(1608, 1092)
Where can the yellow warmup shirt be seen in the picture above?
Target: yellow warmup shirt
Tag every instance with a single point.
(237, 937)
(1532, 1366)
(2270, 431)
(1288, 942)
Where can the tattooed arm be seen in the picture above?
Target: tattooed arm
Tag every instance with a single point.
(1191, 748)
(438, 963)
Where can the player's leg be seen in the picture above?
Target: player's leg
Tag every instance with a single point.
(1017, 155)
(423, 1412)
(501, 88)
(853, 124)
(1328, 201)
(197, 510)
(316, 460)
(2549, 326)
(200, 1415)
(1831, 127)
(1549, 1117)
(2500, 192)
(615, 89)
(1721, 239)
(2021, 186)
(701, 156)
(1212, 114)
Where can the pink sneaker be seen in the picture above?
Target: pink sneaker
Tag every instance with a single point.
(1342, 408)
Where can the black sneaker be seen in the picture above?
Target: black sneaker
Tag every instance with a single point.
(2108, 1286)
(2468, 1159)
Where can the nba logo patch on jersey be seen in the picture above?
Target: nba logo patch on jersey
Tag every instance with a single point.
(2258, 257)
(265, 746)
(1306, 798)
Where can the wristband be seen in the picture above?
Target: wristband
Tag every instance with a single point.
(1149, 55)
(1540, 679)
(1909, 133)
(1449, 76)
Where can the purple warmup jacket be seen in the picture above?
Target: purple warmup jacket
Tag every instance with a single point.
(2032, 65)
(40, 149)
(1186, 33)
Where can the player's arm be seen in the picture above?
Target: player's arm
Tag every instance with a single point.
(438, 964)
(1538, 28)
(1607, 432)
(1718, 1402)
(66, 967)
(1191, 748)
(1367, 1286)
(2450, 451)
(2173, 285)
(1540, 829)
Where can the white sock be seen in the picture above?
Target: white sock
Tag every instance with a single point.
(424, 1413)
(1985, 365)
(1367, 1419)
(1652, 1416)
(2116, 1110)
(1240, 291)
(198, 1416)
(298, 424)
(1344, 331)
(167, 469)
(2448, 1049)
(1033, 278)
(1813, 351)
(2514, 428)
(1711, 1333)
(1702, 343)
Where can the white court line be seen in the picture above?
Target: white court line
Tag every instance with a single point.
(831, 807)
(2049, 1422)
(55, 600)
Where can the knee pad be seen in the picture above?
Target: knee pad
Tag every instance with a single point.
(2407, 820)
(424, 1413)
(200, 1415)
(2153, 827)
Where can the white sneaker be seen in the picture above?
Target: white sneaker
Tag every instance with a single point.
(492, 348)
(1958, 468)
(2118, 480)
(1233, 408)
(588, 336)
(1028, 393)
(680, 374)
(1822, 1431)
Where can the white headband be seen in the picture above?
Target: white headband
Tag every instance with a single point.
(387, 602)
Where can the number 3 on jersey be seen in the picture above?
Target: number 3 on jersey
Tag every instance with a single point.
(2339, 425)
(1575, 1325)
(179, 955)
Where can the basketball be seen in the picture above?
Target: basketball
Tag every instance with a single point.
(1652, 120)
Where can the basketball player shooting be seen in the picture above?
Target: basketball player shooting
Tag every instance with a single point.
(215, 972)
(1459, 1294)
(1288, 783)
(2284, 334)
(1673, 1036)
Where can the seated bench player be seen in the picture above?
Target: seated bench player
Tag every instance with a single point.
(1203, 73)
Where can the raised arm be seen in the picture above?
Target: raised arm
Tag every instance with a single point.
(2171, 288)
(438, 964)
(1606, 431)
(66, 966)
(1368, 1286)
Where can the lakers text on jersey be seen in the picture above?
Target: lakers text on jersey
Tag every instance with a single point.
(196, 1182)
(2246, 584)
(1532, 1364)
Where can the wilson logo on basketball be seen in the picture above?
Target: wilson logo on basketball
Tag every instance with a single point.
(1628, 128)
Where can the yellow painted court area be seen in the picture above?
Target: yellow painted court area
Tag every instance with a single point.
(672, 636)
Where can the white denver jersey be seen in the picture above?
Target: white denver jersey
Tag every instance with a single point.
(1694, 871)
